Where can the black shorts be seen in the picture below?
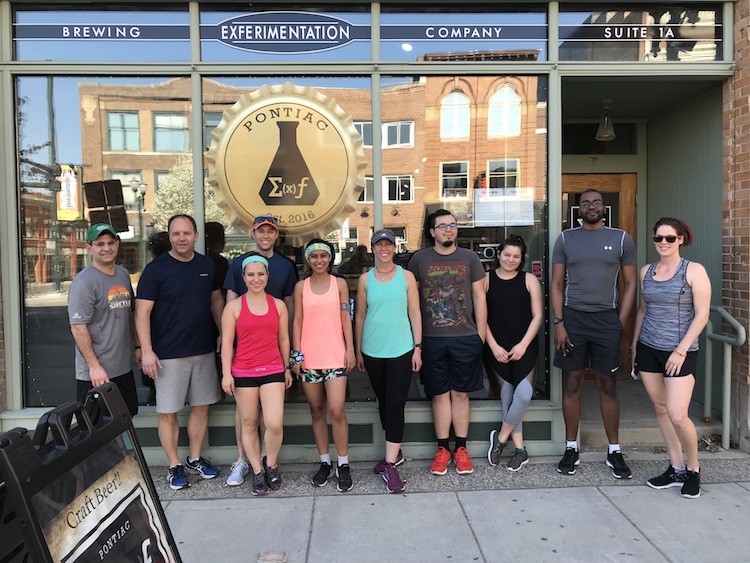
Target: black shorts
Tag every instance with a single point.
(451, 364)
(596, 341)
(125, 384)
(258, 381)
(652, 360)
(514, 371)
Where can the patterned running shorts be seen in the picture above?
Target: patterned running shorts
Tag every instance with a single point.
(321, 375)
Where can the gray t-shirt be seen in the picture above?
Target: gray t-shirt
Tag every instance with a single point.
(593, 260)
(445, 290)
(105, 303)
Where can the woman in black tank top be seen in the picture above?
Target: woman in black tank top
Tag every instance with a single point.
(514, 315)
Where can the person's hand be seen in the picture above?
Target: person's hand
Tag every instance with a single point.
(150, 364)
(562, 340)
(98, 376)
(674, 364)
(517, 352)
(360, 363)
(416, 359)
(500, 353)
(227, 383)
(350, 361)
(287, 378)
(299, 368)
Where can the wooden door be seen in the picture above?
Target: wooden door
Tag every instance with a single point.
(618, 191)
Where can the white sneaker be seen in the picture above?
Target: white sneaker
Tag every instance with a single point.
(237, 474)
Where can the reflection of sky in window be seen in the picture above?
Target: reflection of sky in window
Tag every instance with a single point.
(359, 83)
(213, 51)
(109, 50)
(411, 49)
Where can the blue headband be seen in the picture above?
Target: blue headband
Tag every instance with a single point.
(254, 258)
(317, 246)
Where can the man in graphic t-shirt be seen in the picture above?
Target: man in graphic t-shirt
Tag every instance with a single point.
(100, 312)
(586, 263)
(454, 321)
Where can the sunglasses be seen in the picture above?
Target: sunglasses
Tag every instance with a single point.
(260, 219)
(669, 238)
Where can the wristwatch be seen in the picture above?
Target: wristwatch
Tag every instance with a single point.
(418, 345)
(557, 321)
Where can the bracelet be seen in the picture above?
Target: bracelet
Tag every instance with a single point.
(137, 347)
(676, 351)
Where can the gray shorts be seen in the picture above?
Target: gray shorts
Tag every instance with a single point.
(190, 380)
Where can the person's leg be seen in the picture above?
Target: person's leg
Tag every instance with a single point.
(272, 402)
(441, 415)
(398, 381)
(506, 396)
(247, 405)
(609, 405)
(679, 392)
(571, 403)
(657, 392)
(377, 373)
(316, 400)
(238, 432)
(168, 435)
(336, 396)
(460, 412)
(197, 428)
(513, 417)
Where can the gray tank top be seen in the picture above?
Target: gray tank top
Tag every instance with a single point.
(669, 309)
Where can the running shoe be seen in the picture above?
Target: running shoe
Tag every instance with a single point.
(517, 460)
(692, 486)
(569, 462)
(496, 448)
(258, 486)
(462, 461)
(393, 481)
(176, 477)
(620, 469)
(670, 478)
(439, 465)
(321, 477)
(273, 479)
(202, 467)
(380, 467)
(344, 478)
(237, 473)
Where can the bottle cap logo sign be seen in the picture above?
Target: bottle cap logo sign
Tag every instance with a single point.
(291, 152)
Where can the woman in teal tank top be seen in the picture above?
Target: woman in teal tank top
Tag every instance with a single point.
(388, 329)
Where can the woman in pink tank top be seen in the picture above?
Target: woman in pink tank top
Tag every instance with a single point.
(323, 356)
(255, 371)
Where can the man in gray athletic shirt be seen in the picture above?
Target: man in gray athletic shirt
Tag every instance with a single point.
(100, 312)
(586, 262)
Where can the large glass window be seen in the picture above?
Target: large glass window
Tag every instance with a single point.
(123, 131)
(171, 132)
(505, 112)
(454, 116)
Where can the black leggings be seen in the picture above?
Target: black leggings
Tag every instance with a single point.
(391, 379)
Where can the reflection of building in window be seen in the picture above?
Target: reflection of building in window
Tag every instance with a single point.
(454, 116)
(368, 194)
(365, 129)
(454, 179)
(505, 112)
(125, 176)
(399, 188)
(123, 133)
(398, 134)
(503, 173)
(211, 120)
(171, 133)
(159, 177)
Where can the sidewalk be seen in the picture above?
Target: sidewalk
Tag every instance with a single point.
(492, 515)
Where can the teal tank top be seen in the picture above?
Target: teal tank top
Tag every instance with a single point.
(387, 330)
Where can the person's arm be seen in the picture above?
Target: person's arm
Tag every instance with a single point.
(82, 338)
(136, 342)
(479, 300)
(228, 328)
(415, 318)
(537, 318)
(284, 347)
(217, 308)
(231, 295)
(346, 323)
(149, 361)
(639, 314)
(630, 283)
(557, 285)
(297, 325)
(697, 278)
(360, 311)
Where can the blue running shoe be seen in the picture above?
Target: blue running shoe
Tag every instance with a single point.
(176, 477)
(202, 467)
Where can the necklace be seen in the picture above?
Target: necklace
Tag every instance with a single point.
(385, 273)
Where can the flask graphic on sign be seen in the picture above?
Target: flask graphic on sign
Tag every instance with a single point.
(289, 181)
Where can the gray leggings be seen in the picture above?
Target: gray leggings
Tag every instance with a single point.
(515, 402)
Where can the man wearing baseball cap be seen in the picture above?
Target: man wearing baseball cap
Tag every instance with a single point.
(100, 312)
(282, 276)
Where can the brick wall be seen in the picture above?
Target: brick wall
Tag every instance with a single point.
(736, 217)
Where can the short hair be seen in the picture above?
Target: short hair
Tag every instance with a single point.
(439, 213)
(181, 216)
(512, 240)
(681, 228)
(591, 190)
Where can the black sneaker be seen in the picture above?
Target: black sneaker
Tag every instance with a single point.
(496, 448)
(273, 479)
(620, 469)
(321, 477)
(569, 462)
(670, 478)
(518, 460)
(258, 486)
(691, 488)
(345, 478)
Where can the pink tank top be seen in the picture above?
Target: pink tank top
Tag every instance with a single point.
(322, 334)
(257, 352)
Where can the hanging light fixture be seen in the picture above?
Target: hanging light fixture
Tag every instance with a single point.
(606, 131)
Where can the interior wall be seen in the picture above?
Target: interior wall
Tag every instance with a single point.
(684, 163)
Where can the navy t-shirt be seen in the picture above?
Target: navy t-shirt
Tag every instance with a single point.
(282, 276)
(181, 320)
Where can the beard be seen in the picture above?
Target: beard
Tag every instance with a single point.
(593, 220)
(447, 243)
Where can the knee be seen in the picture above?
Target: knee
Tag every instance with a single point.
(608, 387)
(458, 397)
(572, 385)
(338, 413)
(318, 411)
(660, 408)
(679, 419)
(274, 426)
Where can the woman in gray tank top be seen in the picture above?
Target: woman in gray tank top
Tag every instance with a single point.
(674, 309)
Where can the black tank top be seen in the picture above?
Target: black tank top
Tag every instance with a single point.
(508, 309)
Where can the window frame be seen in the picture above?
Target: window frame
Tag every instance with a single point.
(443, 176)
(398, 178)
(124, 129)
(459, 116)
(499, 113)
(155, 130)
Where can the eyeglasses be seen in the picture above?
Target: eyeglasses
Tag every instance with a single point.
(669, 238)
(444, 226)
(103, 243)
(587, 204)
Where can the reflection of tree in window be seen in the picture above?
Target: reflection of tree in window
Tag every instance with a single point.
(171, 132)
(123, 132)
(505, 112)
(399, 188)
(455, 179)
(503, 173)
(454, 116)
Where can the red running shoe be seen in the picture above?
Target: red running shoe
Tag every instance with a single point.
(440, 464)
(462, 461)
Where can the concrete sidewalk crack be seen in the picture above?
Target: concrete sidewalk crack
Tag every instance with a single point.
(468, 522)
